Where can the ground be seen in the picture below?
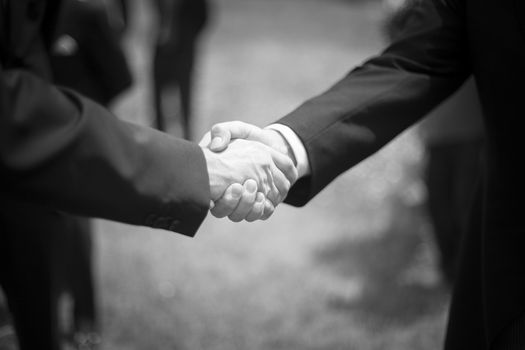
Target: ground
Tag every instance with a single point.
(354, 269)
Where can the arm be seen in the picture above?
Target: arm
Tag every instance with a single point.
(373, 103)
(62, 150)
(379, 99)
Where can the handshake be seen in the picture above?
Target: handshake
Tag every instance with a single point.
(250, 170)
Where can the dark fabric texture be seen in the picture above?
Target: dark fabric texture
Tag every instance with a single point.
(452, 173)
(44, 254)
(443, 43)
(513, 338)
(62, 150)
(181, 22)
(96, 66)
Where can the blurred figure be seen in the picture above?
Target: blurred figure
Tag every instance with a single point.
(54, 249)
(452, 135)
(179, 25)
(87, 56)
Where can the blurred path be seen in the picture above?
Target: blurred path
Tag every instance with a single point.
(354, 269)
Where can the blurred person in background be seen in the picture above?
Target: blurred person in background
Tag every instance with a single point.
(69, 154)
(452, 135)
(443, 44)
(179, 26)
(85, 56)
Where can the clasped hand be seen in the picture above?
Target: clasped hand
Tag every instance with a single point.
(251, 170)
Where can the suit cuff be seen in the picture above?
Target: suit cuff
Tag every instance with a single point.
(297, 147)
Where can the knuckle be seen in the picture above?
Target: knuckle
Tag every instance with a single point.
(217, 128)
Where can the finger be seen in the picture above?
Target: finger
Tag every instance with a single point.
(279, 185)
(246, 202)
(286, 165)
(258, 208)
(268, 209)
(223, 133)
(225, 205)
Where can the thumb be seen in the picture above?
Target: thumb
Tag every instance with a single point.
(220, 137)
(205, 141)
(223, 133)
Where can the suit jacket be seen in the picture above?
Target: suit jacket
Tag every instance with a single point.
(62, 150)
(444, 42)
(86, 54)
(458, 119)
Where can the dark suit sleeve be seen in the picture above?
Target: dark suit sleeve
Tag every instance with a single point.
(382, 97)
(64, 151)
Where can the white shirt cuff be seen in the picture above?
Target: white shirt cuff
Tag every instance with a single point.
(299, 152)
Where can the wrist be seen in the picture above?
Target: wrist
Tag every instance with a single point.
(296, 148)
(212, 165)
(280, 143)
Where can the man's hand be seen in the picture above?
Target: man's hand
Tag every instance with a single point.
(243, 202)
(235, 203)
(223, 133)
(244, 160)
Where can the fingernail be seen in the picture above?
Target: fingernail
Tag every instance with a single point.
(216, 142)
(250, 186)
